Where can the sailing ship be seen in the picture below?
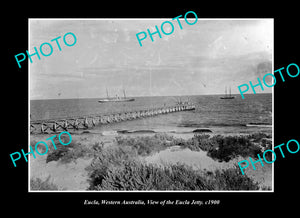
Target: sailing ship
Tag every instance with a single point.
(227, 96)
(115, 99)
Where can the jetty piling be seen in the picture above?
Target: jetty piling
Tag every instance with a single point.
(90, 121)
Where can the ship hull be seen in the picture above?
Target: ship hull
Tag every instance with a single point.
(227, 97)
(115, 100)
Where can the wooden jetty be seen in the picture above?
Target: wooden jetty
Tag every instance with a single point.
(90, 121)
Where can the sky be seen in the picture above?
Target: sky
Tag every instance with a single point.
(198, 59)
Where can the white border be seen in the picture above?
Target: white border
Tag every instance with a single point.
(150, 191)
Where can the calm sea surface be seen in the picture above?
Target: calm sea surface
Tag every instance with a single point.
(218, 115)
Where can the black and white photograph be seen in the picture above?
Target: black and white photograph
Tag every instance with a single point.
(150, 105)
(180, 107)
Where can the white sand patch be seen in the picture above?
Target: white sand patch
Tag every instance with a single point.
(70, 176)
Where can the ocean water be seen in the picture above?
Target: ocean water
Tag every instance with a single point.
(252, 114)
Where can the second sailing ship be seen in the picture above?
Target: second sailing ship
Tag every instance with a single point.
(227, 96)
(115, 99)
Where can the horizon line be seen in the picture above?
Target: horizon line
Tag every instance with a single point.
(145, 96)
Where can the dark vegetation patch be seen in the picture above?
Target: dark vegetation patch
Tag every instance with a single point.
(225, 148)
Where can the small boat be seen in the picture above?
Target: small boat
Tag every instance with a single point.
(115, 99)
(227, 96)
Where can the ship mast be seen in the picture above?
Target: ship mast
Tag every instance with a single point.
(107, 93)
(124, 93)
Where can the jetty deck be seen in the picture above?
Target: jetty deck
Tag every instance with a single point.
(90, 121)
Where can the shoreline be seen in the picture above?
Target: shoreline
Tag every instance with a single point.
(117, 129)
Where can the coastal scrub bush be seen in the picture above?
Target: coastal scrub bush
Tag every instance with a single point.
(232, 179)
(137, 176)
(223, 148)
(68, 153)
(231, 146)
(147, 145)
(119, 167)
(41, 148)
(202, 142)
(267, 145)
(57, 154)
(257, 137)
(105, 159)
